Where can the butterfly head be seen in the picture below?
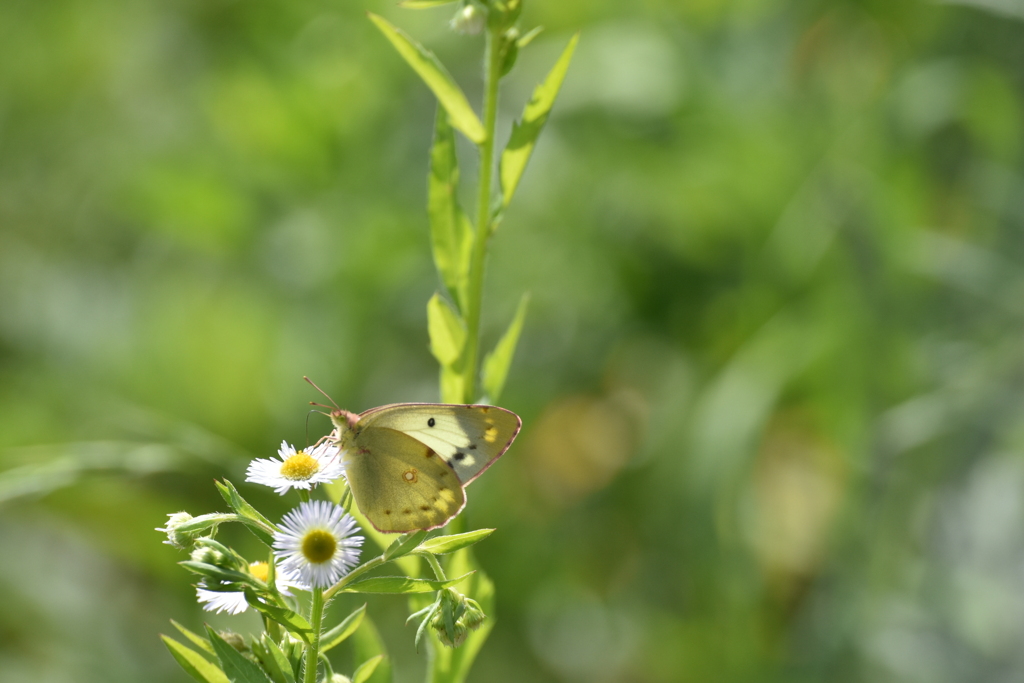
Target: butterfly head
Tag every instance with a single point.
(344, 421)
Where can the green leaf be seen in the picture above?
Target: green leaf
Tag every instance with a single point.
(235, 665)
(528, 37)
(404, 544)
(437, 79)
(343, 630)
(204, 645)
(366, 669)
(453, 385)
(525, 133)
(195, 664)
(450, 230)
(219, 573)
(399, 584)
(423, 4)
(497, 363)
(366, 644)
(442, 545)
(273, 659)
(294, 622)
(262, 527)
(447, 331)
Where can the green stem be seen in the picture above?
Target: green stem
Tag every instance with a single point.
(435, 565)
(313, 651)
(353, 575)
(474, 294)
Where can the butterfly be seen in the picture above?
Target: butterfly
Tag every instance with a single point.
(408, 464)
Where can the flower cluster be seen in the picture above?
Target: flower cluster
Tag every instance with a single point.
(315, 545)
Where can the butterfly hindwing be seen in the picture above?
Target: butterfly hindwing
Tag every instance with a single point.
(468, 437)
(399, 483)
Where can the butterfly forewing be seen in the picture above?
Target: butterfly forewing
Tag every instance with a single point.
(410, 488)
(468, 437)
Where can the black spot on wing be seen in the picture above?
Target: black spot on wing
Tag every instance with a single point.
(459, 455)
(431, 422)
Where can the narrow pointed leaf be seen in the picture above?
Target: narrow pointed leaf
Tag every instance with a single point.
(235, 665)
(194, 664)
(525, 132)
(202, 643)
(339, 633)
(262, 527)
(294, 622)
(453, 385)
(442, 545)
(437, 79)
(404, 544)
(366, 669)
(447, 331)
(497, 363)
(450, 230)
(274, 660)
(399, 584)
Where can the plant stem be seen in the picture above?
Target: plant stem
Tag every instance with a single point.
(313, 651)
(474, 294)
(352, 575)
(435, 565)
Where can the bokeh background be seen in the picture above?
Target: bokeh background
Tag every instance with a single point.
(772, 378)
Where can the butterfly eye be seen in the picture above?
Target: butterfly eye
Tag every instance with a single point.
(431, 422)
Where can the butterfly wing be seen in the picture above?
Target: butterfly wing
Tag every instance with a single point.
(469, 438)
(399, 483)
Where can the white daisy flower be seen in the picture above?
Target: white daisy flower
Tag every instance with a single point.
(234, 602)
(297, 469)
(317, 544)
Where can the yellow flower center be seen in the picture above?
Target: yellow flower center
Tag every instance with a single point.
(318, 546)
(300, 467)
(260, 570)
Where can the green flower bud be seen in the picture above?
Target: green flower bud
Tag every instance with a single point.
(234, 640)
(469, 19)
(179, 539)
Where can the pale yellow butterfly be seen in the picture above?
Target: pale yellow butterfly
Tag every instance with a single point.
(408, 464)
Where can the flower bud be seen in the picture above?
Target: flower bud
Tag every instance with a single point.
(179, 539)
(338, 678)
(234, 640)
(469, 20)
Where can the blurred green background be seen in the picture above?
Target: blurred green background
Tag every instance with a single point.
(772, 379)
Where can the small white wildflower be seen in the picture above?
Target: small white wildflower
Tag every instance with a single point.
(297, 469)
(317, 544)
(234, 602)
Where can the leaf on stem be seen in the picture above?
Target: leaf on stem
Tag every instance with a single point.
(450, 230)
(404, 544)
(525, 132)
(262, 527)
(497, 363)
(202, 643)
(294, 622)
(366, 669)
(399, 585)
(436, 77)
(274, 660)
(442, 545)
(235, 665)
(339, 633)
(195, 664)
(447, 331)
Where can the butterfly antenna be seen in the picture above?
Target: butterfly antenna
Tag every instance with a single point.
(313, 384)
